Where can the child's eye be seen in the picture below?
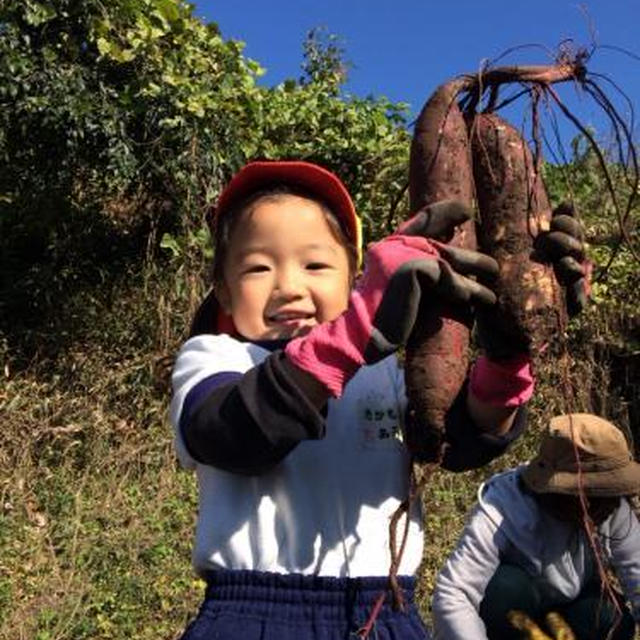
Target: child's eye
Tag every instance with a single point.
(316, 266)
(255, 268)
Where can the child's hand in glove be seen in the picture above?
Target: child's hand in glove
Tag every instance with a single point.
(563, 247)
(503, 377)
(399, 271)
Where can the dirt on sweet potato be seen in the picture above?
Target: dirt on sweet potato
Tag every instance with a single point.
(513, 209)
(437, 353)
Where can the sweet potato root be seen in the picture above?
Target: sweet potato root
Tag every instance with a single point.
(513, 208)
(436, 355)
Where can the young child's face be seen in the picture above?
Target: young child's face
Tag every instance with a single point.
(284, 271)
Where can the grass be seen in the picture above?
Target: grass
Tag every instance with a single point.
(96, 532)
(96, 518)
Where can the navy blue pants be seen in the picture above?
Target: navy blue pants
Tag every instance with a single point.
(249, 605)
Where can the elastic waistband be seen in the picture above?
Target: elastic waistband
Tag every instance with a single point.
(300, 595)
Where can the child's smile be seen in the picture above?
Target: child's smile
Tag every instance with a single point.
(295, 319)
(285, 270)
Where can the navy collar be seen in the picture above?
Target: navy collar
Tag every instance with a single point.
(270, 345)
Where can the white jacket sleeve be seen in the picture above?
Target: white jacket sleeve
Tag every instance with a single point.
(199, 358)
(461, 583)
(623, 541)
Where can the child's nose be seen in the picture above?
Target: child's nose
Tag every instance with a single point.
(289, 283)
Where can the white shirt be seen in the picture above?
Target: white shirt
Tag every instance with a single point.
(325, 509)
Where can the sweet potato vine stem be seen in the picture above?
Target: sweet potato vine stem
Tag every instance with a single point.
(622, 217)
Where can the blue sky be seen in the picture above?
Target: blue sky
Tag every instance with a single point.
(403, 49)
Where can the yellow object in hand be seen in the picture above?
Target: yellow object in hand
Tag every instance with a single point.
(558, 626)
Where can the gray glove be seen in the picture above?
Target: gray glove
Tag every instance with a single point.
(563, 247)
(413, 266)
(437, 223)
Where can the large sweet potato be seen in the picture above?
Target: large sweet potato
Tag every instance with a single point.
(513, 208)
(436, 355)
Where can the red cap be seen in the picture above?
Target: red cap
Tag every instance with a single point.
(310, 177)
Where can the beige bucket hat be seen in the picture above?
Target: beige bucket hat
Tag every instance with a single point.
(583, 450)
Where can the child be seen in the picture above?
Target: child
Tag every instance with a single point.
(289, 403)
(527, 546)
